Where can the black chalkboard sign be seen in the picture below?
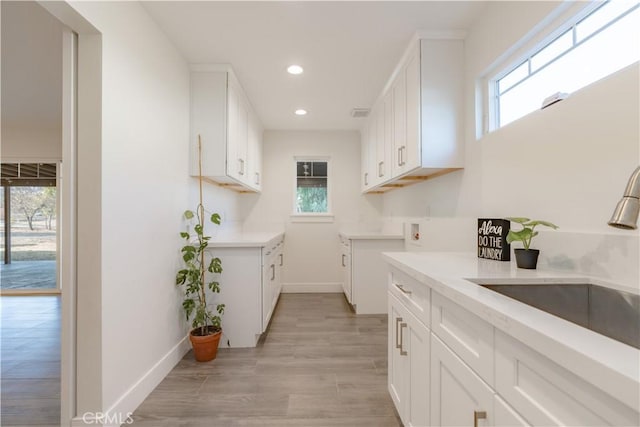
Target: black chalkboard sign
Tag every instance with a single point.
(492, 239)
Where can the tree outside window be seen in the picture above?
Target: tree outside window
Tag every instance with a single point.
(311, 187)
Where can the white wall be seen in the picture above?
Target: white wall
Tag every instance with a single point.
(31, 83)
(567, 164)
(311, 249)
(145, 188)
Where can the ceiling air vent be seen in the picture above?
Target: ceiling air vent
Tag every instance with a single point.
(358, 113)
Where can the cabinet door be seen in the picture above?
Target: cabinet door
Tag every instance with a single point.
(233, 165)
(399, 95)
(416, 344)
(408, 365)
(242, 141)
(365, 176)
(279, 271)
(268, 282)
(385, 149)
(397, 364)
(254, 154)
(345, 263)
(458, 396)
(413, 152)
(373, 176)
(237, 133)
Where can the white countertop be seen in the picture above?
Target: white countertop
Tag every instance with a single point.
(608, 364)
(244, 239)
(370, 235)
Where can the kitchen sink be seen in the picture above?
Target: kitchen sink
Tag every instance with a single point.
(610, 312)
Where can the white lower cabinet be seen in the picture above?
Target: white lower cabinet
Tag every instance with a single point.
(272, 263)
(548, 395)
(345, 264)
(458, 396)
(480, 376)
(364, 272)
(250, 285)
(408, 365)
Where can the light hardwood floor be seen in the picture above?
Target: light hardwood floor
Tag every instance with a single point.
(318, 365)
(30, 360)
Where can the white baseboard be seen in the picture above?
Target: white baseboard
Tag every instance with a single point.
(311, 288)
(118, 414)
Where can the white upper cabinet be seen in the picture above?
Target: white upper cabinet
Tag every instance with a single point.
(230, 131)
(254, 154)
(365, 175)
(419, 117)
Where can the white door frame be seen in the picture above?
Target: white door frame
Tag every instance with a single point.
(82, 126)
(68, 211)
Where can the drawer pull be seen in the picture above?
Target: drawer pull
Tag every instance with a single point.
(402, 352)
(404, 291)
(478, 415)
(398, 320)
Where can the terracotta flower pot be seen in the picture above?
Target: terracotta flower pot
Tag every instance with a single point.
(205, 347)
(527, 258)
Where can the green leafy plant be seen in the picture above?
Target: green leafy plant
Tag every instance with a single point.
(527, 233)
(196, 263)
(192, 276)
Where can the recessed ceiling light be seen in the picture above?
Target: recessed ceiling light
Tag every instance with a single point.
(301, 112)
(295, 69)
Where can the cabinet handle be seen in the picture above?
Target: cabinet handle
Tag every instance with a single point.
(478, 415)
(400, 156)
(273, 271)
(343, 257)
(366, 178)
(241, 166)
(404, 291)
(380, 169)
(398, 320)
(403, 150)
(281, 259)
(257, 178)
(402, 352)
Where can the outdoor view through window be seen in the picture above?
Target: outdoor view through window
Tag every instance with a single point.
(28, 222)
(311, 187)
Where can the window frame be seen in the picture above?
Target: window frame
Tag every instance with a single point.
(311, 216)
(492, 118)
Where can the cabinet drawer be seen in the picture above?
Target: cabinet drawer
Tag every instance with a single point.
(545, 393)
(413, 294)
(470, 337)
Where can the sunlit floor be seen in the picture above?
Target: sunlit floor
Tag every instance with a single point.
(28, 275)
(30, 360)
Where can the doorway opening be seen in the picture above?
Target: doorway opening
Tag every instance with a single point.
(29, 224)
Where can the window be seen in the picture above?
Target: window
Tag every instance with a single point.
(312, 190)
(587, 48)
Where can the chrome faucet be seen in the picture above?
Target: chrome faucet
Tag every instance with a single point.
(626, 213)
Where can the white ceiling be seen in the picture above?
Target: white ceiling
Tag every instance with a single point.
(348, 49)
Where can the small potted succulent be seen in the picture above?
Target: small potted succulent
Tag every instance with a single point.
(526, 257)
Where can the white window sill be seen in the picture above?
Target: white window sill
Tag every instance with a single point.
(318, 217)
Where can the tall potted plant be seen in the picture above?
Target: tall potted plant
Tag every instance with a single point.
(207, 330)
(526, 257)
